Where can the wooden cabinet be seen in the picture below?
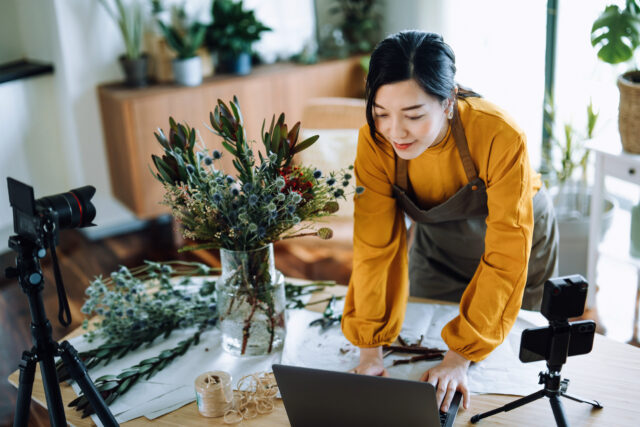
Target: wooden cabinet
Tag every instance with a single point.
(130, 116)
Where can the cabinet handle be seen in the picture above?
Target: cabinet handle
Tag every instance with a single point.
(632, 171)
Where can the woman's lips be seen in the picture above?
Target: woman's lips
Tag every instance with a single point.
(402, 146)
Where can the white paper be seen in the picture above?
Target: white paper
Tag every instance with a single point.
(500, 373)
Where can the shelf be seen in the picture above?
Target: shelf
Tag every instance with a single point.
(22, 69)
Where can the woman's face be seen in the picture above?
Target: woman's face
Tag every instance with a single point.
(409, 118)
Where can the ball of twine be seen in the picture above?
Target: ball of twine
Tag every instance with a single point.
(214, 396)
(254, 396)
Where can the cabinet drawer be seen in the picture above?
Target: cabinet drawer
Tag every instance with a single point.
(625, 169)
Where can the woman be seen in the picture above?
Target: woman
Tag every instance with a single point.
(485, 231)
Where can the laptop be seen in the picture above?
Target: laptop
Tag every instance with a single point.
(314, 397)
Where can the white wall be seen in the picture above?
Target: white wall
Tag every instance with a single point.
(29, 111)
(10, 48)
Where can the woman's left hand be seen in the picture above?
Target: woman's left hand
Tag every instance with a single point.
(450, 375)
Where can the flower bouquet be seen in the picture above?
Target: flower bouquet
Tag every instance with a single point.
(268, 199)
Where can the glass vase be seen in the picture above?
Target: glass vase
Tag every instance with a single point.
(251, 302)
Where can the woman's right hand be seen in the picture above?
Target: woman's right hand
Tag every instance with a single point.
(371, 363)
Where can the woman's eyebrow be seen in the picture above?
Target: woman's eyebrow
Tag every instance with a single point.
(412, 107)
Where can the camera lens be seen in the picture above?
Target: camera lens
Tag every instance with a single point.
(74, 207)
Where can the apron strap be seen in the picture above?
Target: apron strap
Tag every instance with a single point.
(402, 177)
(463, 147)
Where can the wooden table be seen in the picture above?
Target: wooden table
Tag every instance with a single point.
(609, 374)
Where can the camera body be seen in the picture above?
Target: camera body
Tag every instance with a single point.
(564, 297)
(35, 219)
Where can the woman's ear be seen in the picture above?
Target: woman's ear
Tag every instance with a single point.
(450, 106)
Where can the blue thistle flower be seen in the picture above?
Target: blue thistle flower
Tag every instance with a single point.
(347, 176)
(338, 193)
(216, 154)
(345, 183)
(247, 187)
(262, 232)
(291, 209)
(230, 179)
(208, 161)
(217, 198)
(359, 190)
(280, 197)
(273, 214)
(317, 173)
(253, 199)
(331, 181)
(235, 192)
(190, 168)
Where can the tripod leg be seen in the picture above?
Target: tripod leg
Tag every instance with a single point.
(55, 405)
(27, 374)
(509, 406)
(78, 373)
(594, 403)
(558, 412)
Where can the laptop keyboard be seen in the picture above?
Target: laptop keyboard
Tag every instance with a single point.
(444, 416)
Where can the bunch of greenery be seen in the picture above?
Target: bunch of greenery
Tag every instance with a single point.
(360, 23)
(135, 306)
(571, 151)
(616, 33)
(138, 305)
(129, 20)
(267, 201)
(185, 39)
(233, 29)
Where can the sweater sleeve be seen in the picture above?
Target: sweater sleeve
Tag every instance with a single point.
(491, 301)
(377, 296)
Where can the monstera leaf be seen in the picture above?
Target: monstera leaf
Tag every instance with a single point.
(616, 33)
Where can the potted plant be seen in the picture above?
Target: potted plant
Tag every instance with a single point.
(571, 193)
(129, 20)
(360, 23)
(185, 39)
(269, 199)
(231, 34)
(616, 36)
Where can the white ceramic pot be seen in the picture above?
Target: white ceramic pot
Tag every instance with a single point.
(573, 209)
(187, 72)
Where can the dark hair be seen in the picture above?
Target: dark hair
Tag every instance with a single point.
(423, 57)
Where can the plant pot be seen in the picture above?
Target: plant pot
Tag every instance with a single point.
(573, 209)
(236, 64)
(251, 302)
(187, 72)
(135, 70)
(629, 114)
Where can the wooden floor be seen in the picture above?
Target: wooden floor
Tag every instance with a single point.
(80, 260)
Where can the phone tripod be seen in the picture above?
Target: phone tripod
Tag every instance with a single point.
(554, 348)
(31, 280)
(554, 388)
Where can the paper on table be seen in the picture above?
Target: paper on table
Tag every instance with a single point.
(501, 372)
(174, 384)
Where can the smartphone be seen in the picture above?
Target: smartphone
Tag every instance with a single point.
(536, 342)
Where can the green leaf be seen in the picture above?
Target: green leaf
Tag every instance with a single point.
(108, 386)
(102, 353)
(229, 148)
(106, 378)
(615, 34)
(305, 144)
(128, 373)
(124, 386)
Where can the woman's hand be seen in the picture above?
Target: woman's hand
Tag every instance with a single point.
(370, 363)
(450, 375)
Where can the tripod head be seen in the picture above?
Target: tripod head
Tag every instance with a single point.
(37, 224)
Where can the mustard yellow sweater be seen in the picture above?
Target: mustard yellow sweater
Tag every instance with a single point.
(378, 290)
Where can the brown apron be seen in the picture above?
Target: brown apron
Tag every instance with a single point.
(449, 238)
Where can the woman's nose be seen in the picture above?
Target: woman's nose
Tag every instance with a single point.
(397, 129)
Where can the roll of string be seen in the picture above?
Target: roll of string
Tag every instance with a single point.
(255, 395)
(214, 395)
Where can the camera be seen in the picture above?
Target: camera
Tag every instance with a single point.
(33, 219)
(564, 297)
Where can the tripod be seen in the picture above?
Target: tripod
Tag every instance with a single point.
(30, 278)
(560, 333)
